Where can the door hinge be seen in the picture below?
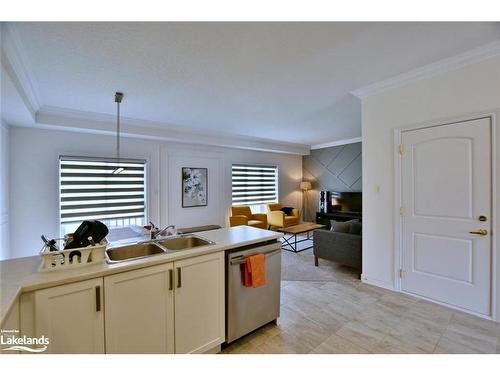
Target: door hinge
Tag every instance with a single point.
(401, 273)
(401, 149)
(401, 211)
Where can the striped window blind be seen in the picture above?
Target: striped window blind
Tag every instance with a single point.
(89, 190)
(254, 184)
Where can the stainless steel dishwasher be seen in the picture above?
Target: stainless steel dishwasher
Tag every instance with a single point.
(250, 308)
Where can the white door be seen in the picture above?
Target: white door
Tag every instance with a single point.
(140, 311)
(199, 303)
(71, 317)
(446, 192)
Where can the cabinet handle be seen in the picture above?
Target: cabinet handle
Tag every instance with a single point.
(179, 277)
(97, 298)
(170, 279)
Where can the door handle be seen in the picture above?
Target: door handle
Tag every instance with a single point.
(170, 279)
(481, 232)
(97, 298)
(179, 277)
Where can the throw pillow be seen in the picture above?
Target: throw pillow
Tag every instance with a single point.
(344, 226)
(339, 226)
(287, 210)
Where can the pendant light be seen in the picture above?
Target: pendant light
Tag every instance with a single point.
(118, 100)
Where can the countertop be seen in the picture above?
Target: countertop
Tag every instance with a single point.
(22, 275)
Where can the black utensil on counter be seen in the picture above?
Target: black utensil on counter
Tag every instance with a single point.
(51, 244)
(89, 228)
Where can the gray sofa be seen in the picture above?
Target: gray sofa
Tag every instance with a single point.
(344, 248)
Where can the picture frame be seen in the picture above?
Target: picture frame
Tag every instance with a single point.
(194, 187)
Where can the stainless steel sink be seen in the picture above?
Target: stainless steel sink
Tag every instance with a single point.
(183, 242)
(154, 247)
(129, 252)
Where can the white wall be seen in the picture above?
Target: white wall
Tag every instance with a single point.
(4, 192)
(469, 90)
(34, 179)
(4, 172)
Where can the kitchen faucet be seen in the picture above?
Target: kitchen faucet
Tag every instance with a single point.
(155, 232)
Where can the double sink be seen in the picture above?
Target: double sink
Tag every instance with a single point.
(155, 247)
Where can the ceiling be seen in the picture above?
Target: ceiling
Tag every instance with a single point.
(287, 82)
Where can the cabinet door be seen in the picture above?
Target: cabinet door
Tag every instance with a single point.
(71, 317)
(11, 324)
(199, 303)
(140, 311)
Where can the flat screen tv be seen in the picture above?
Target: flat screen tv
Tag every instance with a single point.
(346, 201)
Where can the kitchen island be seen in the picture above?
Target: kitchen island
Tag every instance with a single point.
(22, 285)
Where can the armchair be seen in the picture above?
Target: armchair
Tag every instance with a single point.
(242, 215)
(277, 218)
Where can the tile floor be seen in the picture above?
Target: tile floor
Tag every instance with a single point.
(347, 316)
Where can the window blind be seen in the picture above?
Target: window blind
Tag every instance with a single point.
(89, 190)
(254, 184)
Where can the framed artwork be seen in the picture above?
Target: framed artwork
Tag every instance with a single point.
(194, 187)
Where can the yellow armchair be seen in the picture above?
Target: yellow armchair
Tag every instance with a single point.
(242, 215)
(277, 218)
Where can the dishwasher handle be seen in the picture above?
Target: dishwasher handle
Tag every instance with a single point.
(242, 259)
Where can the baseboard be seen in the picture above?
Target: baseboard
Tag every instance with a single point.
(215, 350)
(376, 282)
(452, 307)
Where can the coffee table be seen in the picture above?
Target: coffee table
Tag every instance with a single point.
(290, 235)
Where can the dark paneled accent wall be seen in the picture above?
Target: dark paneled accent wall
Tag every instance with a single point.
(336, 168)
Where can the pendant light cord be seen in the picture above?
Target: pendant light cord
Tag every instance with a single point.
(118, 131)
(118, 100)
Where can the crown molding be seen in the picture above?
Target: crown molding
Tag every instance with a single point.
(14, 60)
(336, 143)
(55, 118)
(446, 65)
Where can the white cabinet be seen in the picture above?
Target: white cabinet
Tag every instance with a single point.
(71, 316)
(171, 308)
(140, 311)
(199, 303)
(10, 326)
(176, 307)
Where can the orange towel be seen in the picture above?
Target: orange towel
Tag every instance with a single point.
(255, 271)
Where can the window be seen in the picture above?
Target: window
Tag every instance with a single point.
(89, 190)
(254, 185)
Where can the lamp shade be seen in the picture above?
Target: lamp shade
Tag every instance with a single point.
(305, 185)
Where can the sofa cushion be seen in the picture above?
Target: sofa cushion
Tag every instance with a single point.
(355, 228)
(343, 248)
(291, 220)
(255, 222)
